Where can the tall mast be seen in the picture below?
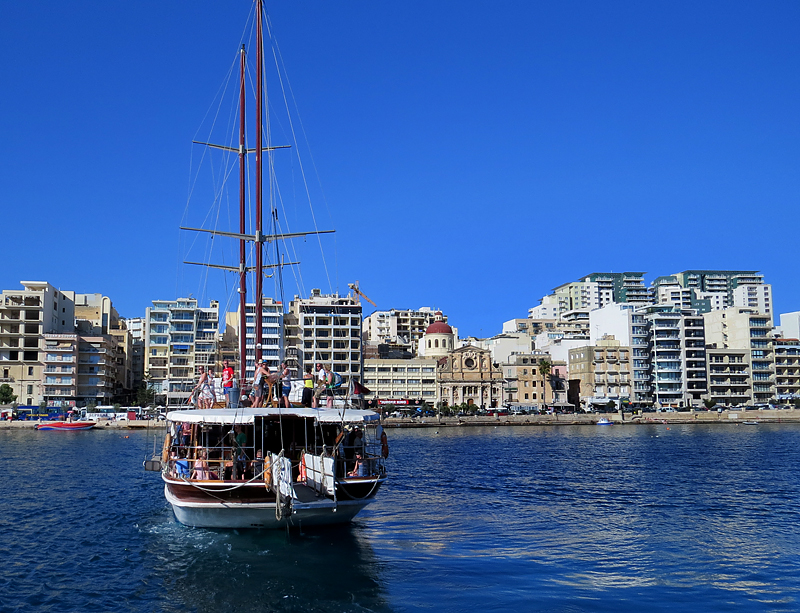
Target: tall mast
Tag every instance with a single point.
(242, 229)
(259, 146)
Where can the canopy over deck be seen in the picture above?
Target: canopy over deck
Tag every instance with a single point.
(248, 416)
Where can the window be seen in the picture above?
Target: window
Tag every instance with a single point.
(30, 372)
(30, 389)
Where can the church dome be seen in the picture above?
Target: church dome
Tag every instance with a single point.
(439, 327)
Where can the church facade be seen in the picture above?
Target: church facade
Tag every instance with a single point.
(467, 375)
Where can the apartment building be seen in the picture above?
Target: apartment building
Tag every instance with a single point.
(603, 370)
(787, 369)
(714, 290)
(97, 373)
(745, 328)
(729, 378)
(401, 380)
(595, 291)
(136, 329)
(26, 315)
(523, 383)
(400, 327)
(179, 337)
(326, 329)
(677, 356)
(59, 378)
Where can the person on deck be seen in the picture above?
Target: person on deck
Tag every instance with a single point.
(259, 381)
(227, 381)
(204, 390)
(308, 388)
(322, 382)
(285, 383)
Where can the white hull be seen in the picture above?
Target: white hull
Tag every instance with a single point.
(262, 515)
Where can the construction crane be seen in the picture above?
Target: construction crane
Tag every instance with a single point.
(358, 292)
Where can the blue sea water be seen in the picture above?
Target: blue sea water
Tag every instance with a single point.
(575, 518)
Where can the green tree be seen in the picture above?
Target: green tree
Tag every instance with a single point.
(545, 371)
(709, 404)
(6, 394)
(146, 395)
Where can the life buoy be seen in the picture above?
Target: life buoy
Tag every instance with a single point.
(302, 476)
(384, 445)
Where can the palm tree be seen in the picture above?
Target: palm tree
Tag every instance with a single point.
(545, 368)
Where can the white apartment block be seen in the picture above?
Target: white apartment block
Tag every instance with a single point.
(327, 330)
(730, 381)
(411, 380)
(758, 297)
(744, 328)
(677, 356)
(26, 315)
(402, 327)
(787, 369)
(547, 308)
(179, 337)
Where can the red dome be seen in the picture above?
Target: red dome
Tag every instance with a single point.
(439, 327)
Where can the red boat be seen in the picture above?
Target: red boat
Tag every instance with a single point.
(66, 425)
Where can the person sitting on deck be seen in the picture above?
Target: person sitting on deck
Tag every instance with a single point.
(182, 465)
(360, 468)
(201, 471)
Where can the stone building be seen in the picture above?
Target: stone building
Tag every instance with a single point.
(468, 375)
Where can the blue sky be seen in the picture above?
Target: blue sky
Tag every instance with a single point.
(470, 155)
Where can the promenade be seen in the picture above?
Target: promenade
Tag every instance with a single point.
(590, 419)
(578, 419)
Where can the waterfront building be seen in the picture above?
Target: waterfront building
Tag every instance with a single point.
(26, 315)
(136, 329)
(745, 328)
(59, 378)
(603, 371)
(468, 375)
(677, 355)
(97, 374)
(399, 381)
(524, 383)
(326, 329)
(729, 377)
(400, 327)
(787, 369)
(180, 336)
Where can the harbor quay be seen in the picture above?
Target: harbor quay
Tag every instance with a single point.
(577, 419)
(591, 419)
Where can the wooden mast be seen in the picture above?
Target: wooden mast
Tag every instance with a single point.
(242, 229)
(259, 187)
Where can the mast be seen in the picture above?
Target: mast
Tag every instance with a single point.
(242, 229)
(259, 187)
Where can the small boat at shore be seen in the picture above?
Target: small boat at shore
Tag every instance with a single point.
(604, 421)
(66, 425)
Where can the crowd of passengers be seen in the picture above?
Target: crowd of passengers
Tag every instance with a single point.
(233, 463)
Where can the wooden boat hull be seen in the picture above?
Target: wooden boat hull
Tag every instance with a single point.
(66, 425)
(261, 515)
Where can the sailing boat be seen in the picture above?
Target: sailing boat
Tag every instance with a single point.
(267, 467)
